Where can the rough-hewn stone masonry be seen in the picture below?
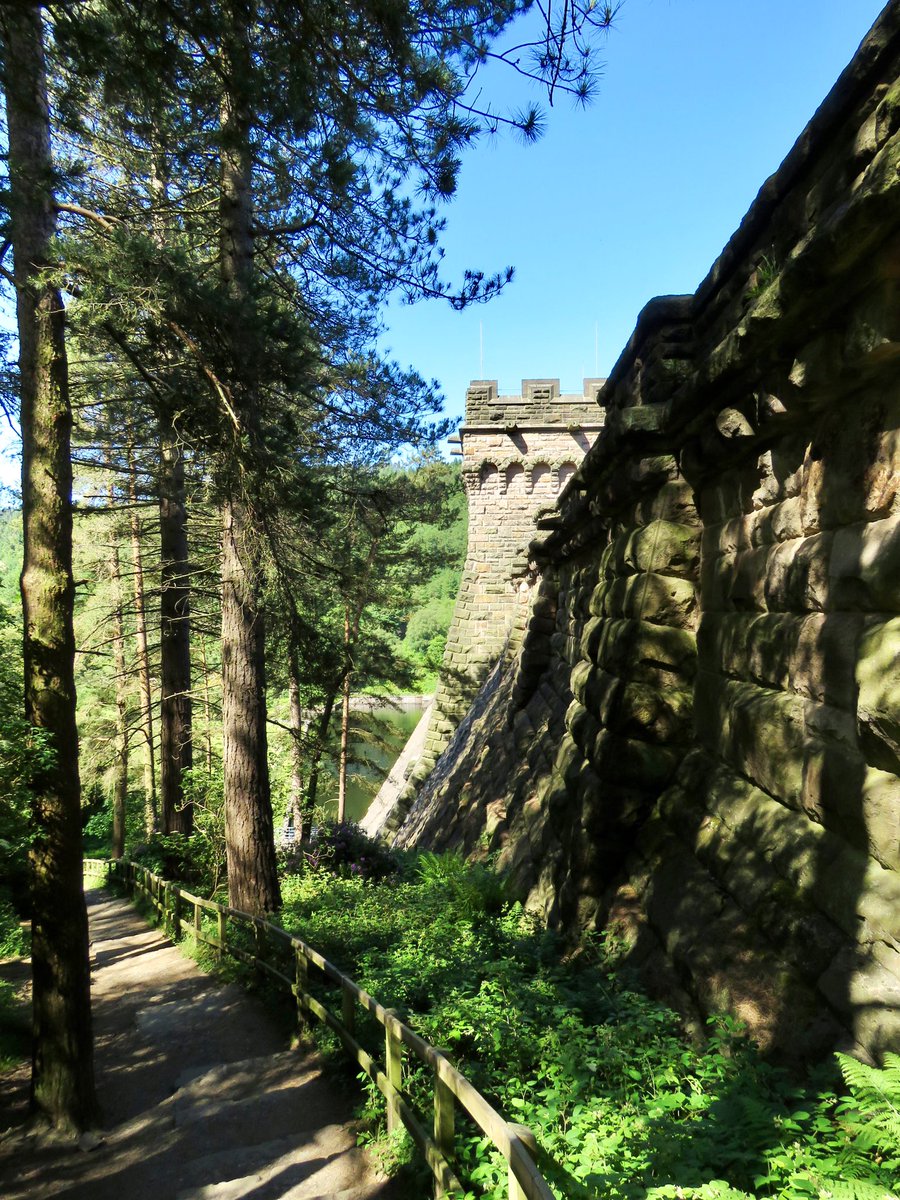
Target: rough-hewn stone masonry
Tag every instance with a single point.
(698, 744)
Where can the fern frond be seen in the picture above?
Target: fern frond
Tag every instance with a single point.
(860, 1189)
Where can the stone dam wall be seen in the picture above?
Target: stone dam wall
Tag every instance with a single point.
(696, 744)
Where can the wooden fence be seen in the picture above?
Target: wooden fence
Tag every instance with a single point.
(181, 912)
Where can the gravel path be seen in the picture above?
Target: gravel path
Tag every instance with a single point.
(202, 1099)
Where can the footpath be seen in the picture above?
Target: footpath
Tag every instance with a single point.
(201, 1097)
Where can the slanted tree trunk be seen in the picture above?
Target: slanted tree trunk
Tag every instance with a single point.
(351, 638)
(316, 760)
(345, 720)
(151, 816)
(249, 830)
(176, 748)
(62, 1079)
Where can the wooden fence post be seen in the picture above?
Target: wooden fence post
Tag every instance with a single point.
(524, 1134)
(257, 948)
(393, 1069)
(348, 1010)
(444, 1125)
(220, 934)
(197, 922)
(301, 976)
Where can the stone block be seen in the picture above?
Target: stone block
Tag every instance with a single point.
(716, 575)
(569, 758)
(634, 763)
(591, 637)
(780, 523)
(880, 816)
(578, 681)
(660, 599)
(581, 724)
(864, 568)
(858, 801)
(797, 574)
(645, 651)
(662, 546)
(867, 991)
(818, 866)
(878, 710)
(778, 477)
(600, 693)
(850, 469)
(727, 537)
(651, 714)
(814, 655)
(657, 467)
(720, 500)
(761, 732)
(674, 501)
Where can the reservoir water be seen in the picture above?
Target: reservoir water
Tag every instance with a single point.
(377, 737)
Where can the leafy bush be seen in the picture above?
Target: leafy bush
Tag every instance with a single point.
(23, 752)
(341, 848)
(15, 1026)
(626, 1107)
(97, 830)
(197, 860)
(13, 939)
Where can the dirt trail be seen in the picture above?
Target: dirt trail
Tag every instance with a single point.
(202, 1099)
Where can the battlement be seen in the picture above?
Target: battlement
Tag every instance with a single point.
(539, 403)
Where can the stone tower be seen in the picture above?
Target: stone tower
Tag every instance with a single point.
(518, 453)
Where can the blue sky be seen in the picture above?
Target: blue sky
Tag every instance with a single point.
(632, 197)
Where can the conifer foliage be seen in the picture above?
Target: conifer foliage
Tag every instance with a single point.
(207, 229)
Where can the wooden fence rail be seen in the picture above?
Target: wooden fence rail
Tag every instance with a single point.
(180, 911)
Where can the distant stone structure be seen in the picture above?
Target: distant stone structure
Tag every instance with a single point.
(518, 453)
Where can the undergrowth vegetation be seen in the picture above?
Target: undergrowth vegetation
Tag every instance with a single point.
(623, 1104)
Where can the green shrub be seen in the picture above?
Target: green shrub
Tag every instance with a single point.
(13, 938)
(341, 848)
(15, 1026)
(627, 1107)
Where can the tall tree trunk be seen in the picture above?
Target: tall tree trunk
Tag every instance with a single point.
(296, 801)
(318, 750)
(345, 720)
(176, 748)
(175, 715)
(207, 708)
(62, 1079)
(120, 786)
(249, 830)
(151, 816)
(351, 638)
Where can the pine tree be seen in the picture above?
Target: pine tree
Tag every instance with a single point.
(62, 1084)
